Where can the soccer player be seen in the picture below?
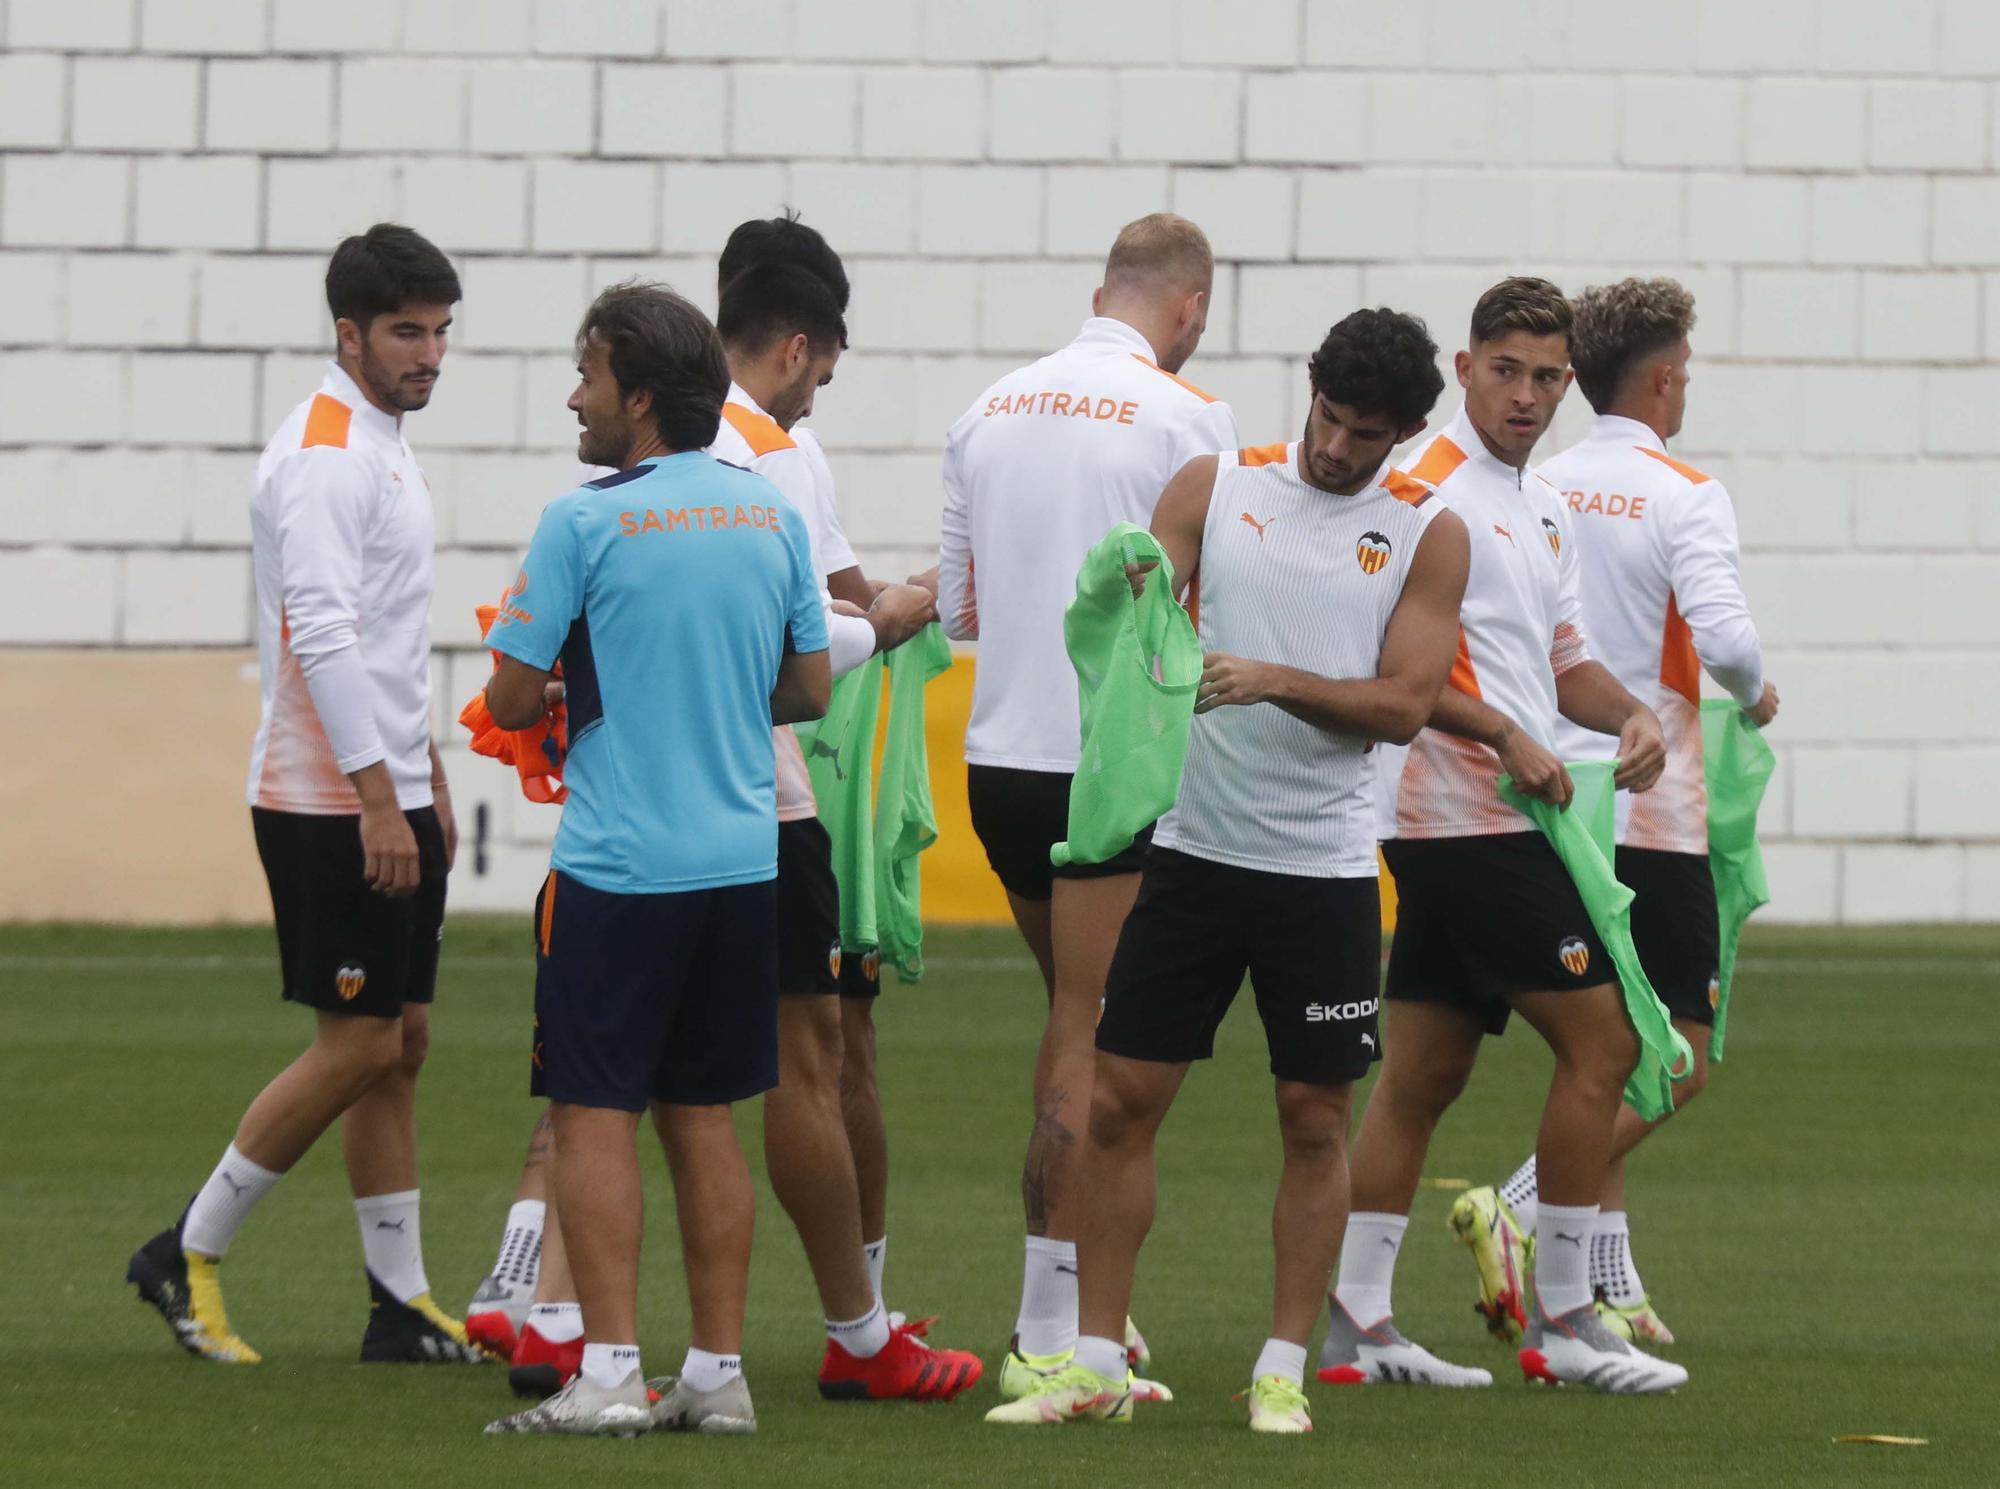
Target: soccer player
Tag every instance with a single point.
(1041, 466)
(782, 332)
(786, 240)
(1657, 549)
(1329, 591)
(1489, 922)
(348, 801)
(679, 596)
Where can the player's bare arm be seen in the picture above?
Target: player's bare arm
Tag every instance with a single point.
(804, 688)
(1536, 771)
(1417, 651)
(1178, 522)
(441, 801)
(1589, 695)
(517, 694)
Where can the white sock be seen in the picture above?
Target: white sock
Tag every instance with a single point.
(1562, 1258)
(1519, 1193)
(228, 1196)
(1105, 1356)
(703, 1371)
(1368, 1264)
(1611, 1260)
(877, 1253)
(559, 1323)
(863, 1337)
(392, 1242)
(607, 1366)
(1047, 1322)
(1281, 1358)
(520, 1259)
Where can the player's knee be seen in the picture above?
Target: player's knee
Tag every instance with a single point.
(1425, 1091)
(1312, 1120)
(1695, 1082)
(416, 1045)
(1119, 1111)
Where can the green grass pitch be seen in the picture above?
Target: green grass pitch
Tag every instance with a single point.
(1821, 1231)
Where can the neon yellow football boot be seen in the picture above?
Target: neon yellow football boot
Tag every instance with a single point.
(1277, 1405)
(1486, 1227)
(1075, 1393)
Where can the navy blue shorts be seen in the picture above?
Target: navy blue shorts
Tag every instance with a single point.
(655, 997)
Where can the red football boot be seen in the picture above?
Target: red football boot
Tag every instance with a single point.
(493, 1332)
(906, 1369)
(540, 1368)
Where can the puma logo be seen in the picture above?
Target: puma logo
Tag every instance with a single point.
(394, 1225)
(1503, 532)
(1066, 1271)
(1576, 1241)
(230, 1179)
(1260, 526)
(1369, 1040)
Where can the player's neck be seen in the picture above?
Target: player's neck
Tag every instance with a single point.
(645, 447)
(1517, 463)
(760, 383)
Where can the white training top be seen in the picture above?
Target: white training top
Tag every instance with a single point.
(831, 551)
(1520, 626)
(1044, 464)
(751, 438)
(1298, 576)
(342, 546)
(1656, 543)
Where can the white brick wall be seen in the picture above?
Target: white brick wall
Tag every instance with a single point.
(1825, 174)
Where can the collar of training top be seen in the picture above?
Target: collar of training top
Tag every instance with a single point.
(338, 384)
(736, 395)
(1103, 330)
(1624, 431)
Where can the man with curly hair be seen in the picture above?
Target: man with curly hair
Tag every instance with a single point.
(1656, 542)
(1329, 589)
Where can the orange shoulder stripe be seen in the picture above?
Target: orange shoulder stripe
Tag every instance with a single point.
(1256, 455)
(760, 431)
(1202, 393)
(1405, 489)
(326, 422)
(1667, 460)
(1440, 460)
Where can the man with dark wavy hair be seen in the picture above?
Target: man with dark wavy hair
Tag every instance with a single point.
(1328, 611)
(1664, 598)
(348, 801)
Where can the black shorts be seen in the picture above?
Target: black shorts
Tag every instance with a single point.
(1479, 918)
(1312, 948)
(809, 959)
(1675, 928)
(344, 948)
(861, 972)
(660, 997)
(1019, 815)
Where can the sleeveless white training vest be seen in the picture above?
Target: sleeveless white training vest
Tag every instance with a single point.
(1298, 576)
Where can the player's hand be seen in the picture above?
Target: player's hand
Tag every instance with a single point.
(847, 607)
(447, 820)
(899, 612)
(1537, 773)
(1766, 709)
(1135, 575)
(552, 693)
(926, 580)
(1642, 752)
(388, 850)
(1229, 680)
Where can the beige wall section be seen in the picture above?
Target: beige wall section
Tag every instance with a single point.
(127, 799)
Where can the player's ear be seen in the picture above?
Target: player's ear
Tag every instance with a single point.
(1462, 364)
